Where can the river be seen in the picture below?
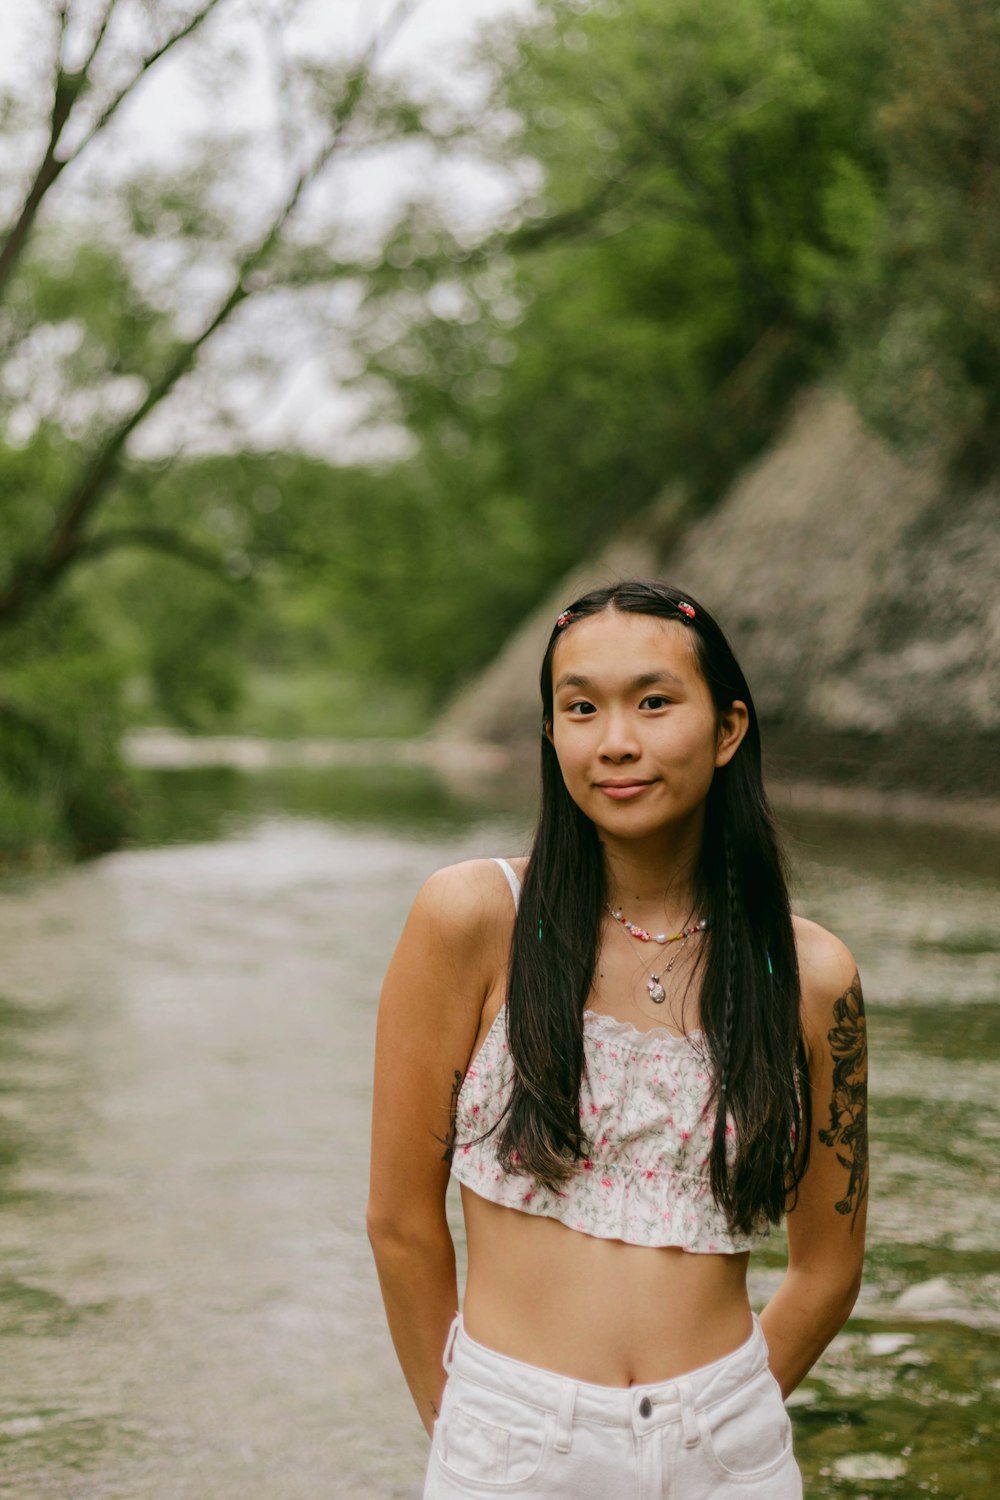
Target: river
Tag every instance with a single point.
(188, 1306)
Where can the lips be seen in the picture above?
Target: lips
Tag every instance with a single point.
(622, 791)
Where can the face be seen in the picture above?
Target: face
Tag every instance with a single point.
(630, 704)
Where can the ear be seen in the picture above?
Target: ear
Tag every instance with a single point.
(547, 730)
(733, 725)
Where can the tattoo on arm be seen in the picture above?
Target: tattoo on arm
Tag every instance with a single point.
(848, 1131)
(449, 1144)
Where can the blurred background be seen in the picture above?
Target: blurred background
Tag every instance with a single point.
(341, 345)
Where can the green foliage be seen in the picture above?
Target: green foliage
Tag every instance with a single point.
(89, 288)
(346, 569)
(720, 202)
(32, 478)
(922, 330)
(732, 199)
(62, 783)
(715, 145)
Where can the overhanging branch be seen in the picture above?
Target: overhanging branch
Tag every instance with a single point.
(150, 61)
(34, 576)
(156, 539)
(69, 87)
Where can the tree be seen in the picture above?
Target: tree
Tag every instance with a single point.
(351, 104)
(922, 326)
(664, 338)
(708, 206)
(93, 344)
(107, 319)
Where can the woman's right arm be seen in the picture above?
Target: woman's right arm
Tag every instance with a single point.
(428, 1019)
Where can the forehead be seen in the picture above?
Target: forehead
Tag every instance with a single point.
(611, 647)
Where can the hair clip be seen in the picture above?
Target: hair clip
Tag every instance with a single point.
(686, 609)
(566, 615)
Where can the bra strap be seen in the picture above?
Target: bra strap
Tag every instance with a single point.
(512, 880)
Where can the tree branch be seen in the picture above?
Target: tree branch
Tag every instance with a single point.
(99, 36)
(384, 38)
(562, 226)
(191, 26)
(68, 89)
(154, 538)
(36, 575)
(62, 22)
(33, 576)
(158, 539)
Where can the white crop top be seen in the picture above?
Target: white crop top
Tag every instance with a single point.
(641, 1099)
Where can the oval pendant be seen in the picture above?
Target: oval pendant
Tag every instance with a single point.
(656, 992)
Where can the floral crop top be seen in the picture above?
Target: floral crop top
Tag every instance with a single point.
(646, 1181)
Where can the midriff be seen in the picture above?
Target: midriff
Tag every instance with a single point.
(595, 1309)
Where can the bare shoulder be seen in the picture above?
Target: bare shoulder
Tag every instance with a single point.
(824, 959)
(829, 977)
(454, 943)
(469, 903)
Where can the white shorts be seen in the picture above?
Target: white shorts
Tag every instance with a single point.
(508, 1428)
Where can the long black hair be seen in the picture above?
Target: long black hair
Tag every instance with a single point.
(750, 984)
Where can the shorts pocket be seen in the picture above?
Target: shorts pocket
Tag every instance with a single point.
(748, 1435)
(489, 1440)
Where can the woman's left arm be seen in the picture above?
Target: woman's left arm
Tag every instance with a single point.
(826, 1225)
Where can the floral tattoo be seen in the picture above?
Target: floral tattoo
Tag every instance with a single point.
(848, 1131)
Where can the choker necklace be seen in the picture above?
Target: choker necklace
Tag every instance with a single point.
(656, 991)
(661, 937)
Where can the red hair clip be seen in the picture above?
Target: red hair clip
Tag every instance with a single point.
(566, 615)
(686, 609)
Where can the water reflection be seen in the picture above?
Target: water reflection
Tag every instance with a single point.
(180, 807)
(188, 1306)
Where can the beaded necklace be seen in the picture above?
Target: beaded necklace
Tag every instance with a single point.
(656, 991)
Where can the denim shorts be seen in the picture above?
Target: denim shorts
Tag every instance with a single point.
(508, 1428)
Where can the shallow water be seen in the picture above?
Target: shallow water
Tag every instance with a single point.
(187, 1302)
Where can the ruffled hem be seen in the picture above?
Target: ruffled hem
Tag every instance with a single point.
(701, 1232)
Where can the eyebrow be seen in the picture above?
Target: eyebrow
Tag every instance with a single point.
(645, 679)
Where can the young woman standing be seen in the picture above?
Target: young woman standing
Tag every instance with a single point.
(636, 1060)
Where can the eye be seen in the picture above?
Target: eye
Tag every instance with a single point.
(655, 698)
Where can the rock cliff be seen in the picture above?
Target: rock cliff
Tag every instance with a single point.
(861, 594)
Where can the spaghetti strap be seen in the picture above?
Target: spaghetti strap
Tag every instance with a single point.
(512, 880)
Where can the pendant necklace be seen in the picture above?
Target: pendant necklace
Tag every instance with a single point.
(656, 991)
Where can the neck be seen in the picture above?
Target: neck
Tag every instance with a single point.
(654, 875)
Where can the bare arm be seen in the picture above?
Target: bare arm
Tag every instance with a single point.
(826, 1225)
(429, 1014)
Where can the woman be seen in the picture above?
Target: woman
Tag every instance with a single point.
(634, 1067)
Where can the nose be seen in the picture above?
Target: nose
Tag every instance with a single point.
(619, 742)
